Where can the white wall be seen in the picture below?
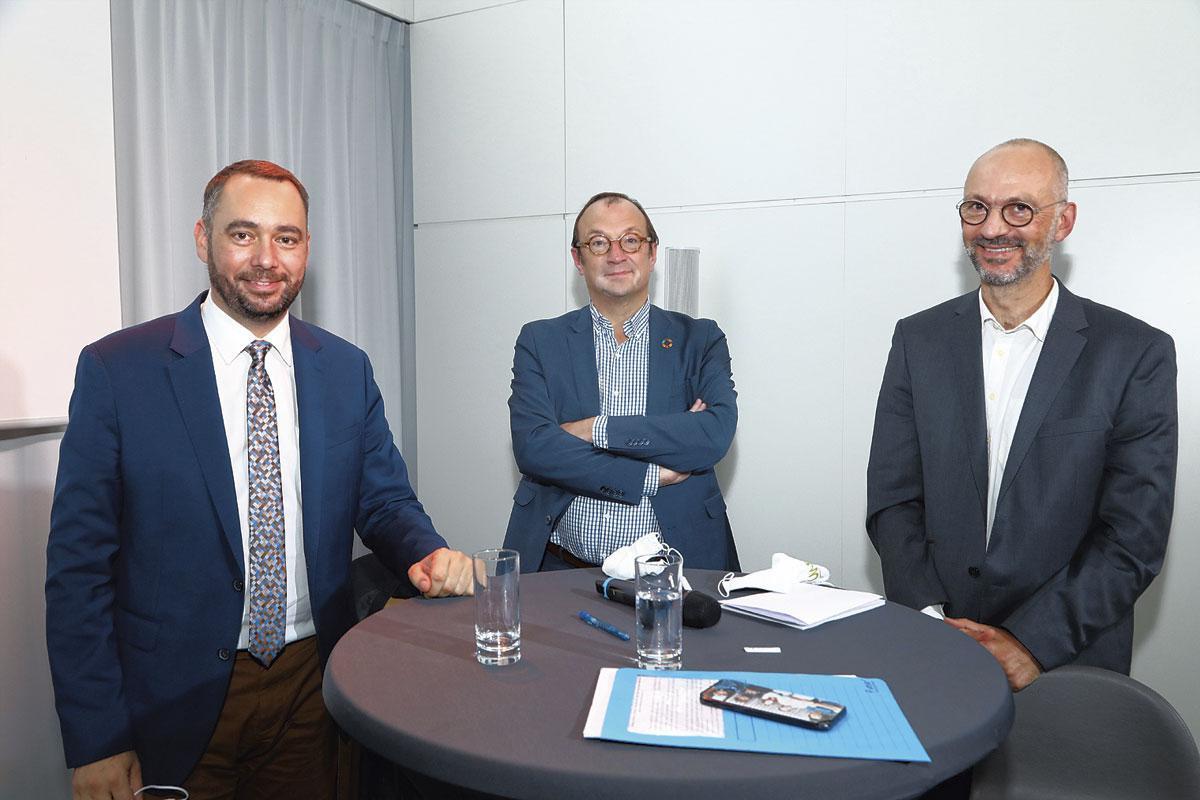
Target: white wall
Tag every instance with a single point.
(58, 291)
(58, 202)
(813, 151)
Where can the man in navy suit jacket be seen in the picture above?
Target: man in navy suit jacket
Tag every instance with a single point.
(620, 411)
(1022, 468)
(147, 569)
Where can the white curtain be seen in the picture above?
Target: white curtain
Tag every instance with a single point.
(319, 86)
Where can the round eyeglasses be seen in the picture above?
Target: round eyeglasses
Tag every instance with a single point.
(1018, 215)
(599, 244)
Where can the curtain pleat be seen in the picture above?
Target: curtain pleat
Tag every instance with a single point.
(319, 86)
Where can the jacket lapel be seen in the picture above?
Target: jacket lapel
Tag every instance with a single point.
(1059, 353)
(966, 341)
(666, 342)
(310, 411)
(583, 361)
(195, 387)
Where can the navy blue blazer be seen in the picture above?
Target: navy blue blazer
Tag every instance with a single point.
(145, 573)
(1086, 497)
(555, 381)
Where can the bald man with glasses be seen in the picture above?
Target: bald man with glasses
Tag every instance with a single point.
(620, 411)
(1022, 469)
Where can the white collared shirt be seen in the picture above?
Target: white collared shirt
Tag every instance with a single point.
(1009, 359)
(231, 363)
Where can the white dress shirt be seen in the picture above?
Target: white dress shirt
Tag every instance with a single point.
(231, 363)
(1009, 358)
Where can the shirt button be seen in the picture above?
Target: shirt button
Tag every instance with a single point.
(1000, 352)
(238, 585)
(223, 654)
(973, 572)
(992, 396)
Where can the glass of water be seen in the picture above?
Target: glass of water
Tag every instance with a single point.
(497, 607)
(659, 591)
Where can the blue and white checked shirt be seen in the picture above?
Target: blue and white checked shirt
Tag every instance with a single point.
(591, 528)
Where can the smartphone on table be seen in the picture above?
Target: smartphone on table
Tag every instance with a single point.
(776, 704)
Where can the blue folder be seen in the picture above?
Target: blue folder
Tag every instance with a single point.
(873, 726)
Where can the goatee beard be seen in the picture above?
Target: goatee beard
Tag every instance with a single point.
(1032, 257)
(243, 304)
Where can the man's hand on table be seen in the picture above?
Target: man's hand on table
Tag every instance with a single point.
(116, 777)
(443, 573)
(1019, 665)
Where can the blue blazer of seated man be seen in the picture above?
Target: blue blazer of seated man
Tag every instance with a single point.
(151, 559)
(619, 412)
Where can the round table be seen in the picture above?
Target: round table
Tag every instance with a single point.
(406, 684)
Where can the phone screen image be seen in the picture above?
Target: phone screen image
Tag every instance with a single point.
(776, 704)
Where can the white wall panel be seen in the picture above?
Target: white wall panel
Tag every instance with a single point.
(683, 102)
(902, 256)
(31, 753)
(1114, 84)
(477, 284)
(57, 185)
(433, 9)
(487, 101)
(772, 279)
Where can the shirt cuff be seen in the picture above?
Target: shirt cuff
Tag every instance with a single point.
(600, 432)
(650, 487)
(936, 611)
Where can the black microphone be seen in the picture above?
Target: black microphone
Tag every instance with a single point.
(700, 610)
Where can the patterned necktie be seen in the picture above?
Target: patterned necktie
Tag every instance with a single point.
(268, 568)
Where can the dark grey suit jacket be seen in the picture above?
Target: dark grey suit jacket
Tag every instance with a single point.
(1086, 497)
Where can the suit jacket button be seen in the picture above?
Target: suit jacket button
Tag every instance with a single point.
(238, 585)
(223, 654)
(548, 519)
(973, 572)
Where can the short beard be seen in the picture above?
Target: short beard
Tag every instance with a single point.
(1032, 257)
(242, 303)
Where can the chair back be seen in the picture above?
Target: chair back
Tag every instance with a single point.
(1083, 733)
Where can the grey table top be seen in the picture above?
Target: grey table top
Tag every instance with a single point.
(405, 683)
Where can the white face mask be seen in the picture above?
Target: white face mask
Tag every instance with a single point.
(784, 575)
(619, 563)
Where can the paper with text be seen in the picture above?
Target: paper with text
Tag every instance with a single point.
(671, 707)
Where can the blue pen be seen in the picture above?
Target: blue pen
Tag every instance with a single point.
(604, 626)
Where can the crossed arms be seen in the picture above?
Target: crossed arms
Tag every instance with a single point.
(560, 452)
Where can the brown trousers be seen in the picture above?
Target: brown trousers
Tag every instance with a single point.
(274, 738)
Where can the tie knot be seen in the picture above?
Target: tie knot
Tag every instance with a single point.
(258, 352)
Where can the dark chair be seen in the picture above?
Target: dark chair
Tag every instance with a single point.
(373, 585)
(1083, 733)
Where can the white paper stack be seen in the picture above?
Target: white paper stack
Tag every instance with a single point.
(804, 607)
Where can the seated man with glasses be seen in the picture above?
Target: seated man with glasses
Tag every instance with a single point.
(619, 411)
(1022, 469)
